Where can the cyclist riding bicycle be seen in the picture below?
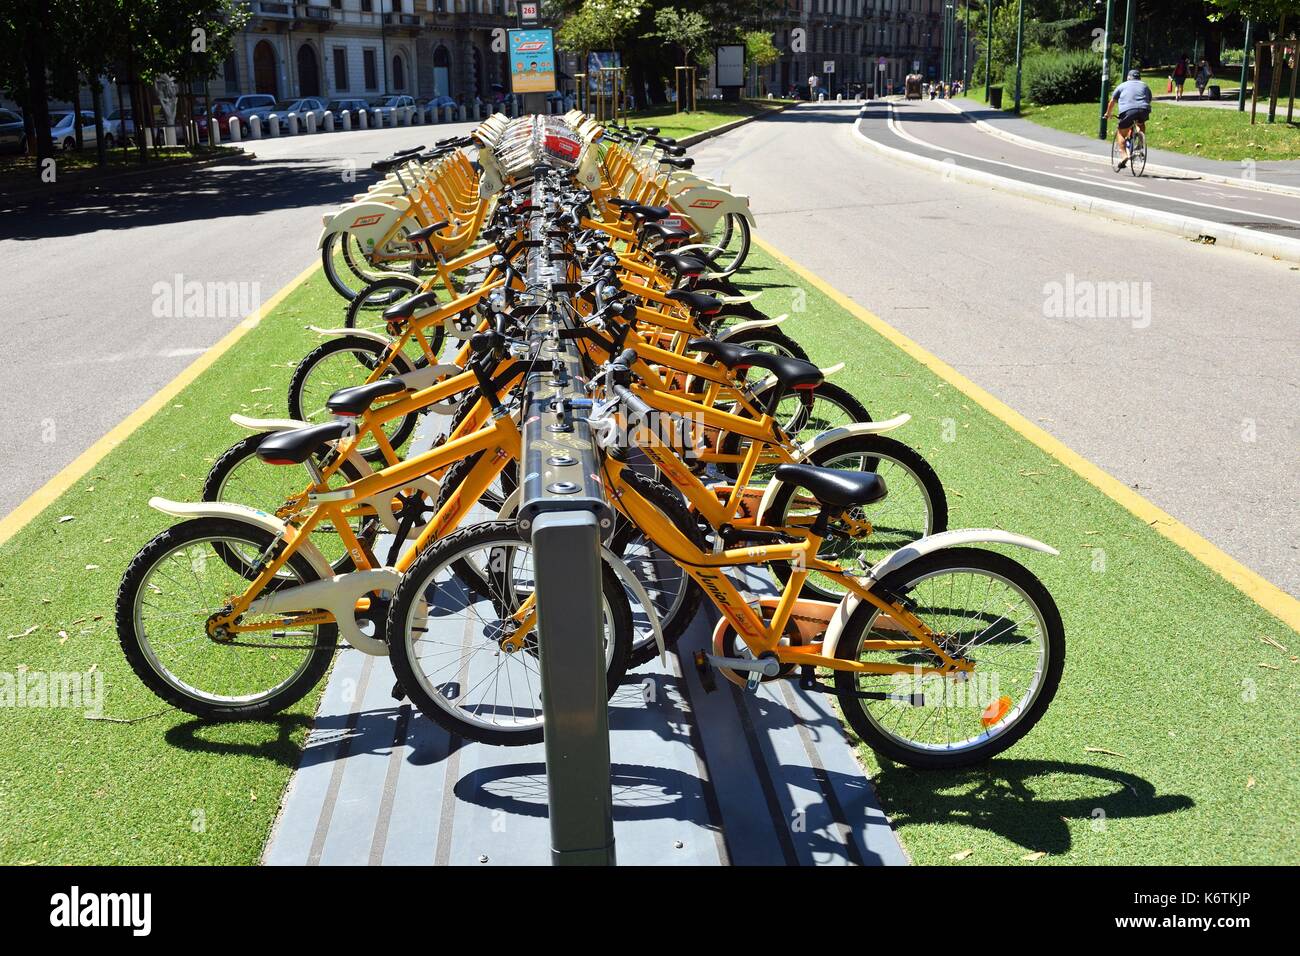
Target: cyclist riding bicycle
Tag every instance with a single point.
(1134, 100)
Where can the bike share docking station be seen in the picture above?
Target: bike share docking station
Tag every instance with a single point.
(670, 773)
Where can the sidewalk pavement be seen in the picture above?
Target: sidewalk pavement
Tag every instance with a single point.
(1284, 173)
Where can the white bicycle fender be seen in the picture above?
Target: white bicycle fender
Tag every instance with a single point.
(731, 330)
(909, 553)
(253, 516)
(337, 594)
(268, 424)
(362, 333)
(633, 584)
(803, 450)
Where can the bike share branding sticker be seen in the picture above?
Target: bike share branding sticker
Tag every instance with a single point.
(706, 204)
(367, 221)
(563, 146)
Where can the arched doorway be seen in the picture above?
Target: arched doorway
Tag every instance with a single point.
(308, 71)
(441, 72)
(266, 77)
(399, 74)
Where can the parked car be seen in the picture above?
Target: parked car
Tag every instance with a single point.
(243, 108)
(440, 103)
(302, 106)
(13, 134)
(63, 129)
(338, 106)
(113, 127)
(223, 111)
(385, 105)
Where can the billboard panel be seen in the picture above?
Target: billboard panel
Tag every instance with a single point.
(532, 61)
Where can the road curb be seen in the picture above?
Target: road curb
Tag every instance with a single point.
(1068, 153)
(700, 137)
(54, 189)
(1203, 230)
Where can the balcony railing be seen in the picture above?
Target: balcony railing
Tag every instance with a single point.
(269, 8)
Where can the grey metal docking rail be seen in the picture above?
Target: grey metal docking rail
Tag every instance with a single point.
(563, 509)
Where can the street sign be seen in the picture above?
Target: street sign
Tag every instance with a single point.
(916, 66)
(828, 66)
(529, 13)
(881, 64)
(532, 61)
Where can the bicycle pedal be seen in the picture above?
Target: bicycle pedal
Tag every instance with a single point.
(398, 692)
(703, 668)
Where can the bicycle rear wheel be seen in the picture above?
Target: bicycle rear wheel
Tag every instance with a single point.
(1138, 153)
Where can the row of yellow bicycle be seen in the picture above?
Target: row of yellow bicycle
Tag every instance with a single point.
(382, 511)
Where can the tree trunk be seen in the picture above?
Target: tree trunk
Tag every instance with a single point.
(39, 94)
(1275, 83)
(97, 102)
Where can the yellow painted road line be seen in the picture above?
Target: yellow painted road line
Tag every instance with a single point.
(1264, 593)
(45, 496)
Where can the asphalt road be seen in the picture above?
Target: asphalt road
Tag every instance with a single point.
(940, 131)
(1192, 402)
(88, 338)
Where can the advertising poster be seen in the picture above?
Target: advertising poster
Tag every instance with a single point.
(532, 61)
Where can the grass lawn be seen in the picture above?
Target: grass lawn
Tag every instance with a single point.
(165, 789)
(1172, 739)
(21, 172)
(1173, 736)
(1210, 132)
(712, 113)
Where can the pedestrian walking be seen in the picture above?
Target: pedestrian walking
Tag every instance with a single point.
(1203, 76)
(1180, 76)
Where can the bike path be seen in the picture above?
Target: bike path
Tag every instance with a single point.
(699, 778)
(937, 131)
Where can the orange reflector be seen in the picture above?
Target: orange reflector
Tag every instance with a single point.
(995, 711)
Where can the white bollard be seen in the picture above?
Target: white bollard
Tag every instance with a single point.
(378, 119)
(361, 119)
(839, 97)
(345, 120)
(821, 97)
(461, 114)
(311, 122)
(214, 133)
(293, 124)
(417, 116)
(148, 137)
(273, 126)
(435, 115)
(327, 121)
(255, 127)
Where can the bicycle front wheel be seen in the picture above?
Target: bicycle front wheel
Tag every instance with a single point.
(459, 652)
(984, 608)
(177, 581)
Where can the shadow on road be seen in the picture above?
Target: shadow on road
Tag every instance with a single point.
(185, 196)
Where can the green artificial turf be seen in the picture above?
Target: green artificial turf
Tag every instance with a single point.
(711, 114)
(1172, 739)
(165, 788)
(1167, 668)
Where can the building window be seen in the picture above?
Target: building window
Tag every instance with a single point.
(231, 73)
(399, 73)
(367, 6)
(368, 66)
(340, 68)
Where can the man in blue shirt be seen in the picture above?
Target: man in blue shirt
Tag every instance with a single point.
(1133, 97)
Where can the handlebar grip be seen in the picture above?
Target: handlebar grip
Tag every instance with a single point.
(626, 358)
(632, 403)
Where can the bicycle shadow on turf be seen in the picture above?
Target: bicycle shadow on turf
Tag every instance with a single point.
(1018, 799)
(279, 739)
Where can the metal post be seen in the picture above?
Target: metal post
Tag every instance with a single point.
(988, 51)
(1129, 17)
(1020, 43)
(1245, 63)
(1105, 71)
(564, 512)
(965, 51)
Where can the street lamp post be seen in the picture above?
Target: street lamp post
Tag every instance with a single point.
(1105, 70)
(1020, 44)
(988, 52)
(965, 50)
(1245, 61)
(1128, 40)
